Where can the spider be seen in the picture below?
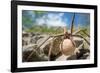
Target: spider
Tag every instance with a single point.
(68, 45)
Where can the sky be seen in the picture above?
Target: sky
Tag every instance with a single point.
(62, 19)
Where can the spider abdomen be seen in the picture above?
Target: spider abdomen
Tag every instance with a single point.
(67, 47)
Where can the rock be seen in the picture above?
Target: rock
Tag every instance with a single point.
(55, 46)
(34, 58)
(62, 58)
(32, 40)
(35, 38)
(82, 55)
(29, 47)
(72, 57)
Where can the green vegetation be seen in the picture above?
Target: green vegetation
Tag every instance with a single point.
(45, 30)
(86, 30)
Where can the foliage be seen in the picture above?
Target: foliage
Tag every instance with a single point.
(45, 29)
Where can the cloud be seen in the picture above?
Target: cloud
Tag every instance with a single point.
(55, 19)
(52, 19)
(41, 21)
